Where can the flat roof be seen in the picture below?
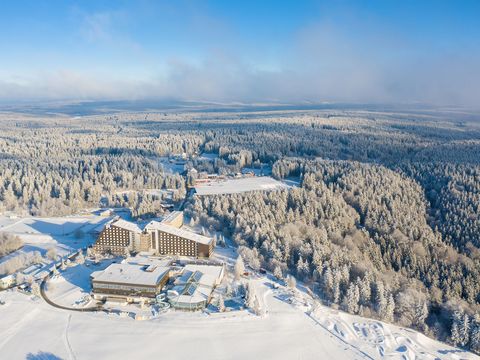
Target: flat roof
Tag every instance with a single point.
(232, 186)
(148, 260)
(179, 232)
(130, 274)
(210, 273)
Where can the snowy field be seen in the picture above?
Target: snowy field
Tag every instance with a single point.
(72, 285)
(231, 186)
(293, 328)
(65, 234)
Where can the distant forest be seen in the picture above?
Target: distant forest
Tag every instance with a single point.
(385, 221)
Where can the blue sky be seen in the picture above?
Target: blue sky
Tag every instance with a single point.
(242, 51)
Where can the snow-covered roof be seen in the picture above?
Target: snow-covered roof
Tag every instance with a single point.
(130, 274)
(172, 216)
(148, 261)
(127, 225)
(155, 225)
(211, 273)
(196, 283)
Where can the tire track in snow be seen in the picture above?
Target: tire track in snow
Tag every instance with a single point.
(71, 354)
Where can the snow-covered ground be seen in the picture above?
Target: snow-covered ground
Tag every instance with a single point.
(71, 285)
(54, 230)
(294, 326)
(292, 181)
(290, 330)
(231, 186)
(65, 234)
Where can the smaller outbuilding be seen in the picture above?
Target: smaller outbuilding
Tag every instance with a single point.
(193, 289)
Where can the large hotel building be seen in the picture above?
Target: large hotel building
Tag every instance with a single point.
(162, 238)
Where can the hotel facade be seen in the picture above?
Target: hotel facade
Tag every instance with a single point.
(162, 238)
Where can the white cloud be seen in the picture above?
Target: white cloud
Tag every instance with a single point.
(322, 64)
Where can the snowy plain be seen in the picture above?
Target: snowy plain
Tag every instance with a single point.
(232, 186)
(65, 234)
(295, 326)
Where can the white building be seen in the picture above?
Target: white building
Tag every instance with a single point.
(194, 288)
(129, 281)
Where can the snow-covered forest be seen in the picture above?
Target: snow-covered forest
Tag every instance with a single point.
(385, 222)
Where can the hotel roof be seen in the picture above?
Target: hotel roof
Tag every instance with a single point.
(127, 225)
(172, 216)
(196, 283)
(131, 274)
(155, 225)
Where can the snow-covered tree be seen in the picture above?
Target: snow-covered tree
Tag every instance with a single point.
(291, 282)
(455, 335)
(302, 268)
(35, 289)
(328, 282)
(475, 334)
(277, 272)
(52, 253)
(421, 313)
(353, 298)
(221, 303)
(381, 300)
(464, 329)
(365, 291)
(390, 309)
(229, 290)
(460, 331)
(250, 295)
(257, 308)
(239, 268)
